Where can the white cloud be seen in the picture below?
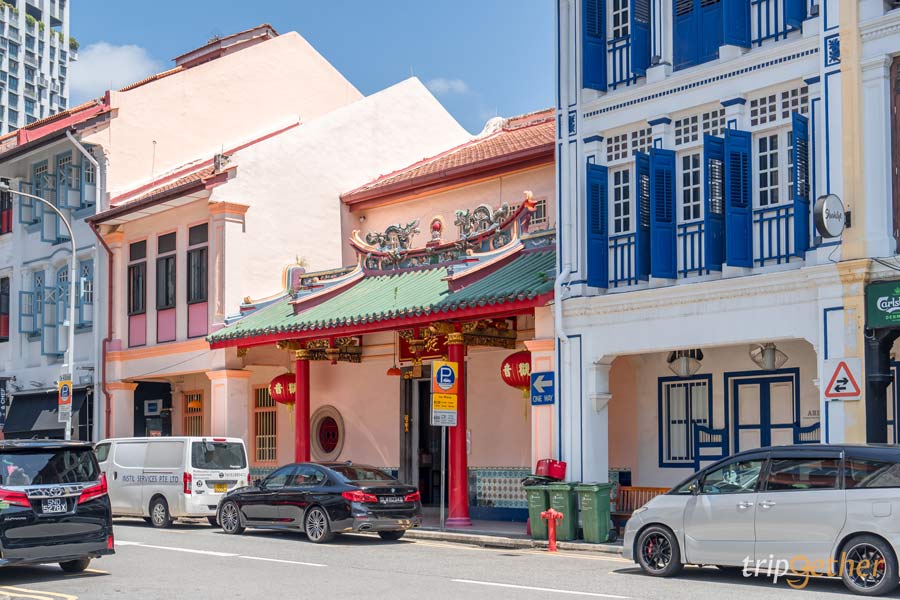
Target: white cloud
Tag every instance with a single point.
(442, 86)
(102, 66)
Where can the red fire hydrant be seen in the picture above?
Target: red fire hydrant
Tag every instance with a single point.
(552, 516)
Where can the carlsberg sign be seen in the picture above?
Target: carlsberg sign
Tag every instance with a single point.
(883, 304)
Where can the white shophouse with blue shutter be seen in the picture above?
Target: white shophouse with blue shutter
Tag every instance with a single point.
(698, 302)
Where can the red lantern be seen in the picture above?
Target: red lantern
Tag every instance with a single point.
(516, 371)
(283, 389)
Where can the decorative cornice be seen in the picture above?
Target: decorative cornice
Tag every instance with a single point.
(548, 345)
(654, 299)
(121, 385)
(884, 26)
(228, 374)
(220, 208)
(302, 354)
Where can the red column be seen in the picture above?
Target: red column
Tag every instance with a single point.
(459, 472)
(301, 407)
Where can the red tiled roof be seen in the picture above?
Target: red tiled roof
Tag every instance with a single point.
(265, 27)
(55, 122)
(151, 78)
(522, 135)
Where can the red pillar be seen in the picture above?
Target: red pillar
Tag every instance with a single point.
(301, 407)
(459, 472)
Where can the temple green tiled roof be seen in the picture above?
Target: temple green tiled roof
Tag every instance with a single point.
(404, 294)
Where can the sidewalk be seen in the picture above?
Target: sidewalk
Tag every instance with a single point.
(497, 534)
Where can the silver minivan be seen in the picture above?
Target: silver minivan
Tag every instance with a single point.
(794, 511)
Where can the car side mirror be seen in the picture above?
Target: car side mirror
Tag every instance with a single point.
(258, 482)
(694, 488)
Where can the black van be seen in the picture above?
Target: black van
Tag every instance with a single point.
(54, 506)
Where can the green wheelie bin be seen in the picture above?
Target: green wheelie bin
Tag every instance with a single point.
(537, 503)
(564, 500)
(593, 501)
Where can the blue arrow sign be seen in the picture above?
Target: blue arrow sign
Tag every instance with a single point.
(543, 388)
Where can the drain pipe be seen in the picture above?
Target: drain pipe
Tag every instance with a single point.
(101, 366)
(561, 280)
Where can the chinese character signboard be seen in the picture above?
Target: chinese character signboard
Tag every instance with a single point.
(883, 304)
(430, 347)
(444, 391)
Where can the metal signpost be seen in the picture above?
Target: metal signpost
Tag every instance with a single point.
(444, 394)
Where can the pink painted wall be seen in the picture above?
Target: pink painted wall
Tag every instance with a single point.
(194, 113)
(198, 319)
(165, 325)
(137, 330)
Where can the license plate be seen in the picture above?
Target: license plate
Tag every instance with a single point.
(390, 499)
(54, 505)
(220, 488)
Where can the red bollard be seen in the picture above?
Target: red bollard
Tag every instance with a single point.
(552, 516)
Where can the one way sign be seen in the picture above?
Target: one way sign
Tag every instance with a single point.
(542, 385)
(843, 377)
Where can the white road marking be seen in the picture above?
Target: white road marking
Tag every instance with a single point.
(173, 549)
(213, 553)
(287, 562)
(538, 589)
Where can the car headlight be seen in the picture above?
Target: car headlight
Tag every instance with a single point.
(639, 511)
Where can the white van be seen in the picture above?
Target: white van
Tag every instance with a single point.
(164, 478)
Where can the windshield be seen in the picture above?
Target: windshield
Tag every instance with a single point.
(218, 455)
(352, 473)
(48, 467)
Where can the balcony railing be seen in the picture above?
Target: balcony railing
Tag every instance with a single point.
(31, 59)
(619, 55)
(767, 21)
(773, 232)
(690, 249)
(622, 269)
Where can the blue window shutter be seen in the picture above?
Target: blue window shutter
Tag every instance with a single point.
(738, 201)
(597, 226)
(686, 34)
(800, 160)
(663, 257)
(640, 36)
(795, 13)
(710, 28)
(642, 228)
(593, 44)
(714, 202)
(736, 22)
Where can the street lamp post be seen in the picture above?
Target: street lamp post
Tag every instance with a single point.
(69, 366)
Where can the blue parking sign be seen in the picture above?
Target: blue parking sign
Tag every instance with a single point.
(543, 388)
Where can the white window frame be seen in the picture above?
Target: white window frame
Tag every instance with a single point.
(621, 182)
(622, 27)
(783, 167)
(695, 187)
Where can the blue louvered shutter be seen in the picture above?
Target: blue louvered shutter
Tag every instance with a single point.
(714, 202)
(738, 200)
(795, 12)
(800, 160)
(597, 226)
(736, 22)
(640, 36)
(663, 257)
(686, 34)
(642, 228)
(593, 44)
(710, 30)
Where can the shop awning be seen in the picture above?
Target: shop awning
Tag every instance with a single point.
(381, 301)
(36, 415)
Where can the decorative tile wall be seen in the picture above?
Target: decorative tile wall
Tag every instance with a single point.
(500, 487)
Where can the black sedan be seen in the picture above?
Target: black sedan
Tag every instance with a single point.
(323, 499)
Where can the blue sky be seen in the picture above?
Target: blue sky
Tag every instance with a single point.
(481, 58)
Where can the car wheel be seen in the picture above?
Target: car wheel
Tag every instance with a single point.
(75, 566)
(159, 513)
(658, 553)
(878, 574)
(213, 521)
(318, 530)
(230, 519)
(391, 536)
